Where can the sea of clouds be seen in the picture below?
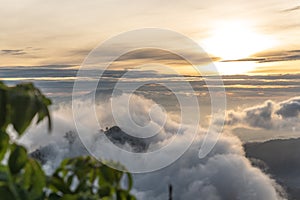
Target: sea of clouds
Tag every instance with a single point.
(225, 173)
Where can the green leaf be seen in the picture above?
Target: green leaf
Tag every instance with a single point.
(54, 196)
(43, 109)
(108, 174)
(5, 193)
(17, 159)
(59, 184)
(70, 197)
(23, 109)
(105, 191)
(27, 176)
(89, 172)
(70, 180)
(25, 102)
(4, 142)
(38, 180)
(4, 174)
(130, 181)
(3, 106)
(122, 195)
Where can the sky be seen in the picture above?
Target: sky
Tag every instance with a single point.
(47, 42)
(241, 37)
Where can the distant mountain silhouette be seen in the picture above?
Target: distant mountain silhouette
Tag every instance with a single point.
(119, 138)
(281, 159)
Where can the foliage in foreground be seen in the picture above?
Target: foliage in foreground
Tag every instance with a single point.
(22, 178)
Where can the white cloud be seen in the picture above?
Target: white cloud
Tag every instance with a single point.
(270, 115)
(224, 174)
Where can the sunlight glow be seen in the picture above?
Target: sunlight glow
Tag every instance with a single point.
(229, 68)
(236, 40)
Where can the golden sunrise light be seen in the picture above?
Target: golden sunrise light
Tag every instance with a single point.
(232, 40)
(229, 68)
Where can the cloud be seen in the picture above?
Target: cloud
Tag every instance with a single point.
(259, 116)
(146, 55)
(162, 55)
(270, 115)
(291, 9)
(289, 108)
(224, 174)
(13, 52)
(79, 52)
(277, 56)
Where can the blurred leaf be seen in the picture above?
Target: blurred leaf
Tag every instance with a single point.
(70, 180)
(107, 174)
(38, 180)
(4, 173)
(70, 197)
(4, 142)
(123, 195)
(25, 102)
(58, 183)
(5, 193)
(27, 177)
(130, 181)
(94, 180)
(3, 106)
(105, 191)
(17, 159)
(23, 107)
(54, 197)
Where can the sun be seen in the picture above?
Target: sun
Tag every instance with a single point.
(232, 40)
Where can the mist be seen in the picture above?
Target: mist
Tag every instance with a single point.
(224, 174)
